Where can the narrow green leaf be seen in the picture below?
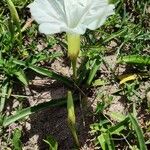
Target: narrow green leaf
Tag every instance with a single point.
(93, 71)
(15, 18)
(52, 74)
(82, 71)
(139, 132)
(48, 73)
(135, 59)
(117, 116)
(102, 141)
(109, 141)
(118, 127)
(11, 29)
(53, 144)
(100, 107)
(16, 140)
(22, 77)
(19, 62)
(4, 94)
(9, 91)
(1, 61)
(13, 11)
(116, 34)
(30, 110)
(72, 118)
(147, 142)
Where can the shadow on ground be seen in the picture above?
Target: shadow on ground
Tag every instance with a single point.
(52, 121)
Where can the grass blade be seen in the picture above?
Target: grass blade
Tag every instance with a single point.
(82, 71)
(48, 73)
(30, 110)
(4, 94)
(118, 126)
(139, 132)
(53, 144)
(21, 76)
(52, 74)
(17, 140)
(109, 141)
(102, 141)
(13, 11)
(93, 72)
(135, 59)
(15, 18)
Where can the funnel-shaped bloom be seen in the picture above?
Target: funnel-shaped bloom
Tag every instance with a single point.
(71, 16)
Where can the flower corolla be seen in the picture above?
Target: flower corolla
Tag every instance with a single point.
(71, 16)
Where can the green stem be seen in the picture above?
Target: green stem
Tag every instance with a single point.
(72, 117)
(74, 67)
(73, 51)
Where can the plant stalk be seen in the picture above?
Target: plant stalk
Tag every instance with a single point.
(74, 67)
(72, 117)
(73, 51)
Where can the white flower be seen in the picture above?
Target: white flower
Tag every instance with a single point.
(71, 16)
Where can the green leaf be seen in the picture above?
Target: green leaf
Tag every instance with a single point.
(11, 29)
(30, 110)
(82, 71)
(13, 11)
(148, 141)
(53, 144)
(99, 82)
(139, 132)
(51, 74)
(116, 34)
(48, 73)
(119, 126)
(22, 77)
(117, 116)
(135, 59)
(71, 117)
(16, 140)
(109, 141)
(102, 141)
(15, 18)
(1, 61)
(100, 107)
(19, 62)
(105, 138)
(5, 85)
(93, 71)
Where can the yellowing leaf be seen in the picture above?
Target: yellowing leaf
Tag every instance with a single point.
(127, 77)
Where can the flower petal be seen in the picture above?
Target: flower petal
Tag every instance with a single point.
(77, 30)
(87, 14)
(47, 12)
(97, 17)
(50, 28)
